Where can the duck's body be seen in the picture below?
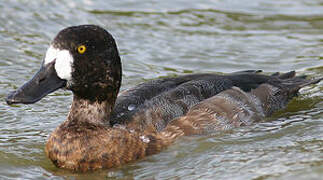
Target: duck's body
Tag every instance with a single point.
(103, 131)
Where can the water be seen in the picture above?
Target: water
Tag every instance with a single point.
(163, 38)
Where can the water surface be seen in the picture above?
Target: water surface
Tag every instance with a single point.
(165, 38)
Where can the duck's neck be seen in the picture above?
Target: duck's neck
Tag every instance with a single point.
(86, 111)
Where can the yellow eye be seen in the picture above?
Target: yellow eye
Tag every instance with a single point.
(81, 49)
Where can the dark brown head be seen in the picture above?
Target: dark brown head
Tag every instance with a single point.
(83, 59)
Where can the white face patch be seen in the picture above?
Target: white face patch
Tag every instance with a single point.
(63, 64)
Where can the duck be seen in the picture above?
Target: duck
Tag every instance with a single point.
(107, 129)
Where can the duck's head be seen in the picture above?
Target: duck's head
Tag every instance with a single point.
(83, 59)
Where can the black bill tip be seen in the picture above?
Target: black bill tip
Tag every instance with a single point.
(17, 97)
(11, 99)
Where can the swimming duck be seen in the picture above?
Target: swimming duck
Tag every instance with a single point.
(104, 130)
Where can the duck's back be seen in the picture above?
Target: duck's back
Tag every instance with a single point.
(133, 98)
(160, 101)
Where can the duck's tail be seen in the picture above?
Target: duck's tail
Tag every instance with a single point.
(276, 93)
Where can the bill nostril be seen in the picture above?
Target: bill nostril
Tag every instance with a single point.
(41, 79)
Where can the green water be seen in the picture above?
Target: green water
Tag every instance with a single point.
(163, 38)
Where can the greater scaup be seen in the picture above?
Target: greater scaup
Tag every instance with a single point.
(104, 130)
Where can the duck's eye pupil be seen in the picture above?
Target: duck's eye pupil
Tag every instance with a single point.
(81, 49)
